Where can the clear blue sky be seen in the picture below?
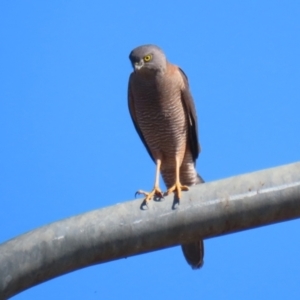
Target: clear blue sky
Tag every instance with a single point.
(68, 145)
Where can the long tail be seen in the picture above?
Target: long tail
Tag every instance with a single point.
(194, 251)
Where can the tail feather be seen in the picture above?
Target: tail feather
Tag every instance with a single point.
(200, 179)
(194, 251)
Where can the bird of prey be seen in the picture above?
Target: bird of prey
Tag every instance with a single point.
(163, 113)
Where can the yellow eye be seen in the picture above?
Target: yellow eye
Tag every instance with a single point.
(147, 58)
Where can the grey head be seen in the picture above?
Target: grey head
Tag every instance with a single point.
(148, 58)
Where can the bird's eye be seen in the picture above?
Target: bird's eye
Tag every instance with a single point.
(147, 58)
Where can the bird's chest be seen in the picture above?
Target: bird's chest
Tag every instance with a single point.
(161, 116)
(159, 104)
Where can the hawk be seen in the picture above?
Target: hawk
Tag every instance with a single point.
(164, 115)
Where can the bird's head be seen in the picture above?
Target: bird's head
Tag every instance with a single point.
(148, 57)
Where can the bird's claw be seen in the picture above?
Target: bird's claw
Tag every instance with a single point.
(177, 188)
(156, 192)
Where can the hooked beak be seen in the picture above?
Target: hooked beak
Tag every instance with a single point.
(138, 65)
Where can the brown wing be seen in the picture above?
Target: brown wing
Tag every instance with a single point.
(190, 109)
(132, 112)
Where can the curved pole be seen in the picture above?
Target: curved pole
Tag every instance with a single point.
(125, 229)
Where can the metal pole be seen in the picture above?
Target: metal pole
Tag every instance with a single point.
(122, 230)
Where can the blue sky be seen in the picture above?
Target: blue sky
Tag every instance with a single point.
(68, 145)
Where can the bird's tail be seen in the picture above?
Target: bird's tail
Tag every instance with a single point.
(194, 251)
(199, 179)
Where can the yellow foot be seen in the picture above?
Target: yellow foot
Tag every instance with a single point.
(177, 188)
(155, 192)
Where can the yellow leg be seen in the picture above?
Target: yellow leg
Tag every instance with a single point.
(177, 187)
(156, 190)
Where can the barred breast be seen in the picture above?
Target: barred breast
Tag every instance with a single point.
(163, 121)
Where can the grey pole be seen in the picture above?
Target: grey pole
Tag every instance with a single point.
(122, 230)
